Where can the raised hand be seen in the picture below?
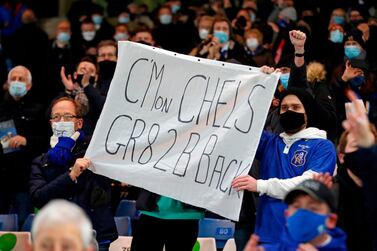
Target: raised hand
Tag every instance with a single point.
(67, 80)
(357, 123)
(298, 39)
(350, 72)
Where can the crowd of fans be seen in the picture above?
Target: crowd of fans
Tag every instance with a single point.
(325, 54)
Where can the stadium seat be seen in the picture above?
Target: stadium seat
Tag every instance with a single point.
(28, 222)
(221, 230)
(123, 243)
(206, 244)
(8, 222)
(127, 208)
(123, 224)
(230, 245)
(22, 240)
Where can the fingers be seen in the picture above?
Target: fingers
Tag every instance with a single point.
(266, 69)
(17, 141)
(297, 34)
(75, 136)
(62, 73)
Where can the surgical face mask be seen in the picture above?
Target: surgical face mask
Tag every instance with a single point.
(292, 121)
(252, 43)
(61, 129)
(304, 225)
(17, 89)
(253, 17)
(203, 34)
(352, 51)
(222, 36)
(88, 35)
(120, 36)
(175, 8)
(63, 37)
(282, 23)
(357, 81)
(336, 36)
(123, 20)
(166, 19)
(284, 78)
(338, 19)
(97, 19)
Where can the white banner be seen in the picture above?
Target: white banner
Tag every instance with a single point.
(181, 126)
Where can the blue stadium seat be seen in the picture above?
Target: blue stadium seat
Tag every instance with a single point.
(8, 222)
(221, 230)
(26, 227)
(128, 208)
(123, 224)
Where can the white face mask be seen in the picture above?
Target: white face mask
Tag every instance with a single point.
(61, 129)
(252, 43)
(88, 35)
(203, 33)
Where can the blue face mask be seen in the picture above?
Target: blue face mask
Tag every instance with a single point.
(121, 36)
(284, 80)
(357, 81)
(222, 36)
(166, 19)
(305, 225)
(253, 16)
(336, 36)
(17, 89)
(123, 20)
(63, 37)
(352, 51)
(175, 8)
(282, 23)
(338, 20)
(97, 19)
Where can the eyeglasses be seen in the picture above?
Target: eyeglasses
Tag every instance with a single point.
(66, 117)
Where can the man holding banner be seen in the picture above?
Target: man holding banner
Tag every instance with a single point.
(183, 128)
(286, 160)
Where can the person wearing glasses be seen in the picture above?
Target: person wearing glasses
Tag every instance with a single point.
(63, 173)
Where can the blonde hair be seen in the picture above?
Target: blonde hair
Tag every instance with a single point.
(315, 72)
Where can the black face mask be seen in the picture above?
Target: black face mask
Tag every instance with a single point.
(107, 69)
(79, 77)
(292, 121)
(351, 163)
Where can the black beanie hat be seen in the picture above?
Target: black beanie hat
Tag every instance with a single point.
(355, 35)
(307, 101)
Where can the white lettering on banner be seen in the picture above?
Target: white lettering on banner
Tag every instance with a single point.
(180, 126)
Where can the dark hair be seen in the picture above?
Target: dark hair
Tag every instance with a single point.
(89, 59)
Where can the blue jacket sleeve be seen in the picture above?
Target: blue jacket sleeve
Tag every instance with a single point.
(323, 159)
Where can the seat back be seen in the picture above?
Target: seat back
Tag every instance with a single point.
(21, 241)
(221, 230)
(127, 208)
(123, 224)
(28, 222)
(230, 245)
(8, 222)
(123, 243)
